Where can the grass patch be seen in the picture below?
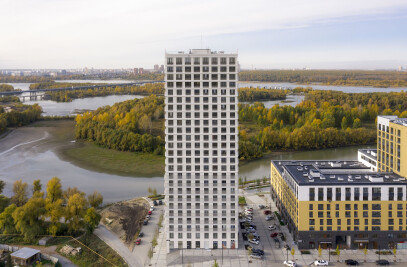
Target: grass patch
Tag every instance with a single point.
(242, 201)
(118, 162)
(88, 258)
(384, 252)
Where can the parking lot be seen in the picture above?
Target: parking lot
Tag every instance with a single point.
(273, 254)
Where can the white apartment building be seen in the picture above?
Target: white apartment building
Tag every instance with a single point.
(201, 158)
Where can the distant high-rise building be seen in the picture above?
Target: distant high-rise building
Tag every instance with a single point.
(201, 144)
(400, 68)
(156, 66)
(140, 70)
(136, 71)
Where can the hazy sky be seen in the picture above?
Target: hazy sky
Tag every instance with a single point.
(267, 34)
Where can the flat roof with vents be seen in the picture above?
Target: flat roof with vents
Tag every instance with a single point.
(325, 172)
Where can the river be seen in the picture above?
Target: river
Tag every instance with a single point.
(34, 152)
(346, 89)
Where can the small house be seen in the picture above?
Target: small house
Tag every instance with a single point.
(26, 256)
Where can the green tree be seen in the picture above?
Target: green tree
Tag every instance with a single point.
(4, 202)
(91, 219)
(20, 193)
(95, 199)
(357, 123)
(215, 264)
(55, 212)
(344, 123)
(54, 190)
(28, 218)
(7, 225)
(9, 262)
(75, 211)
(37, 186)
(2, 185)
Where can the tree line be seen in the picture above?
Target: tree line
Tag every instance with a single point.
(261, 94)
(133, 125)
(69, 95)
(23, 79)
(20, 115)
(6, 87)
(52, 211)
(329, 77)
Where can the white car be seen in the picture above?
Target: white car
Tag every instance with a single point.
(254, 241)
(290, 263)
(269, 218)
(256, 256)
(152, 208)
(272, 227)
(321, 263)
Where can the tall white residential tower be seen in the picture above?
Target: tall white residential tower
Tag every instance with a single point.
(201, 143)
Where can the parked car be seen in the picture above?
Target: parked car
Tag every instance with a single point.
(160, 202)
(141, 234)
(269, 218)
(272, 227)
(249, 219)
(258, 251)
(150, 212)
(273, 235)
(261, 207)
(145, 222)
(276, 240)
(251, 230)
(321, 263)
(254, 241)
(382, 262)
(148, 217)
(290, 263)
(138, 241)
(248, 209)
(152, 208)
(267, 212)
(247, 247)
(253, 226)
(351, 262)
(155, 203)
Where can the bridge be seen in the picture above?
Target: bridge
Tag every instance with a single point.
(34, 93)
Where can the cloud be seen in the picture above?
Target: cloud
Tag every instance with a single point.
(53, 33)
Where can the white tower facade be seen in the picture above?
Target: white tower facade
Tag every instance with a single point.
(201, 143)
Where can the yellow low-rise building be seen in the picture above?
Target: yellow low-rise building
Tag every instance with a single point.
(341, 203)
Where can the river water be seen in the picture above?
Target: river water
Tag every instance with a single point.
(30, 153)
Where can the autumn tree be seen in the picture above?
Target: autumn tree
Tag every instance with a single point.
(75, 211)
(29, 218)
(54, 190)
(95, 199)
(7, 225)
(91, 219)
(20, 193)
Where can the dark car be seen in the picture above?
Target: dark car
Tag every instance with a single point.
(351, 262)
(258, 251)
(267, 212)
(155, 203)
(141, 234)
(145, 222)
(160, 202)
(382, 262)
(273, 235)
(253, 226)
(247, 247)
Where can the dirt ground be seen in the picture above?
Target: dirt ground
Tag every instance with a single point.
(125, 218)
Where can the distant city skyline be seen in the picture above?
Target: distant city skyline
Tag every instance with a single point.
(277, 34)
